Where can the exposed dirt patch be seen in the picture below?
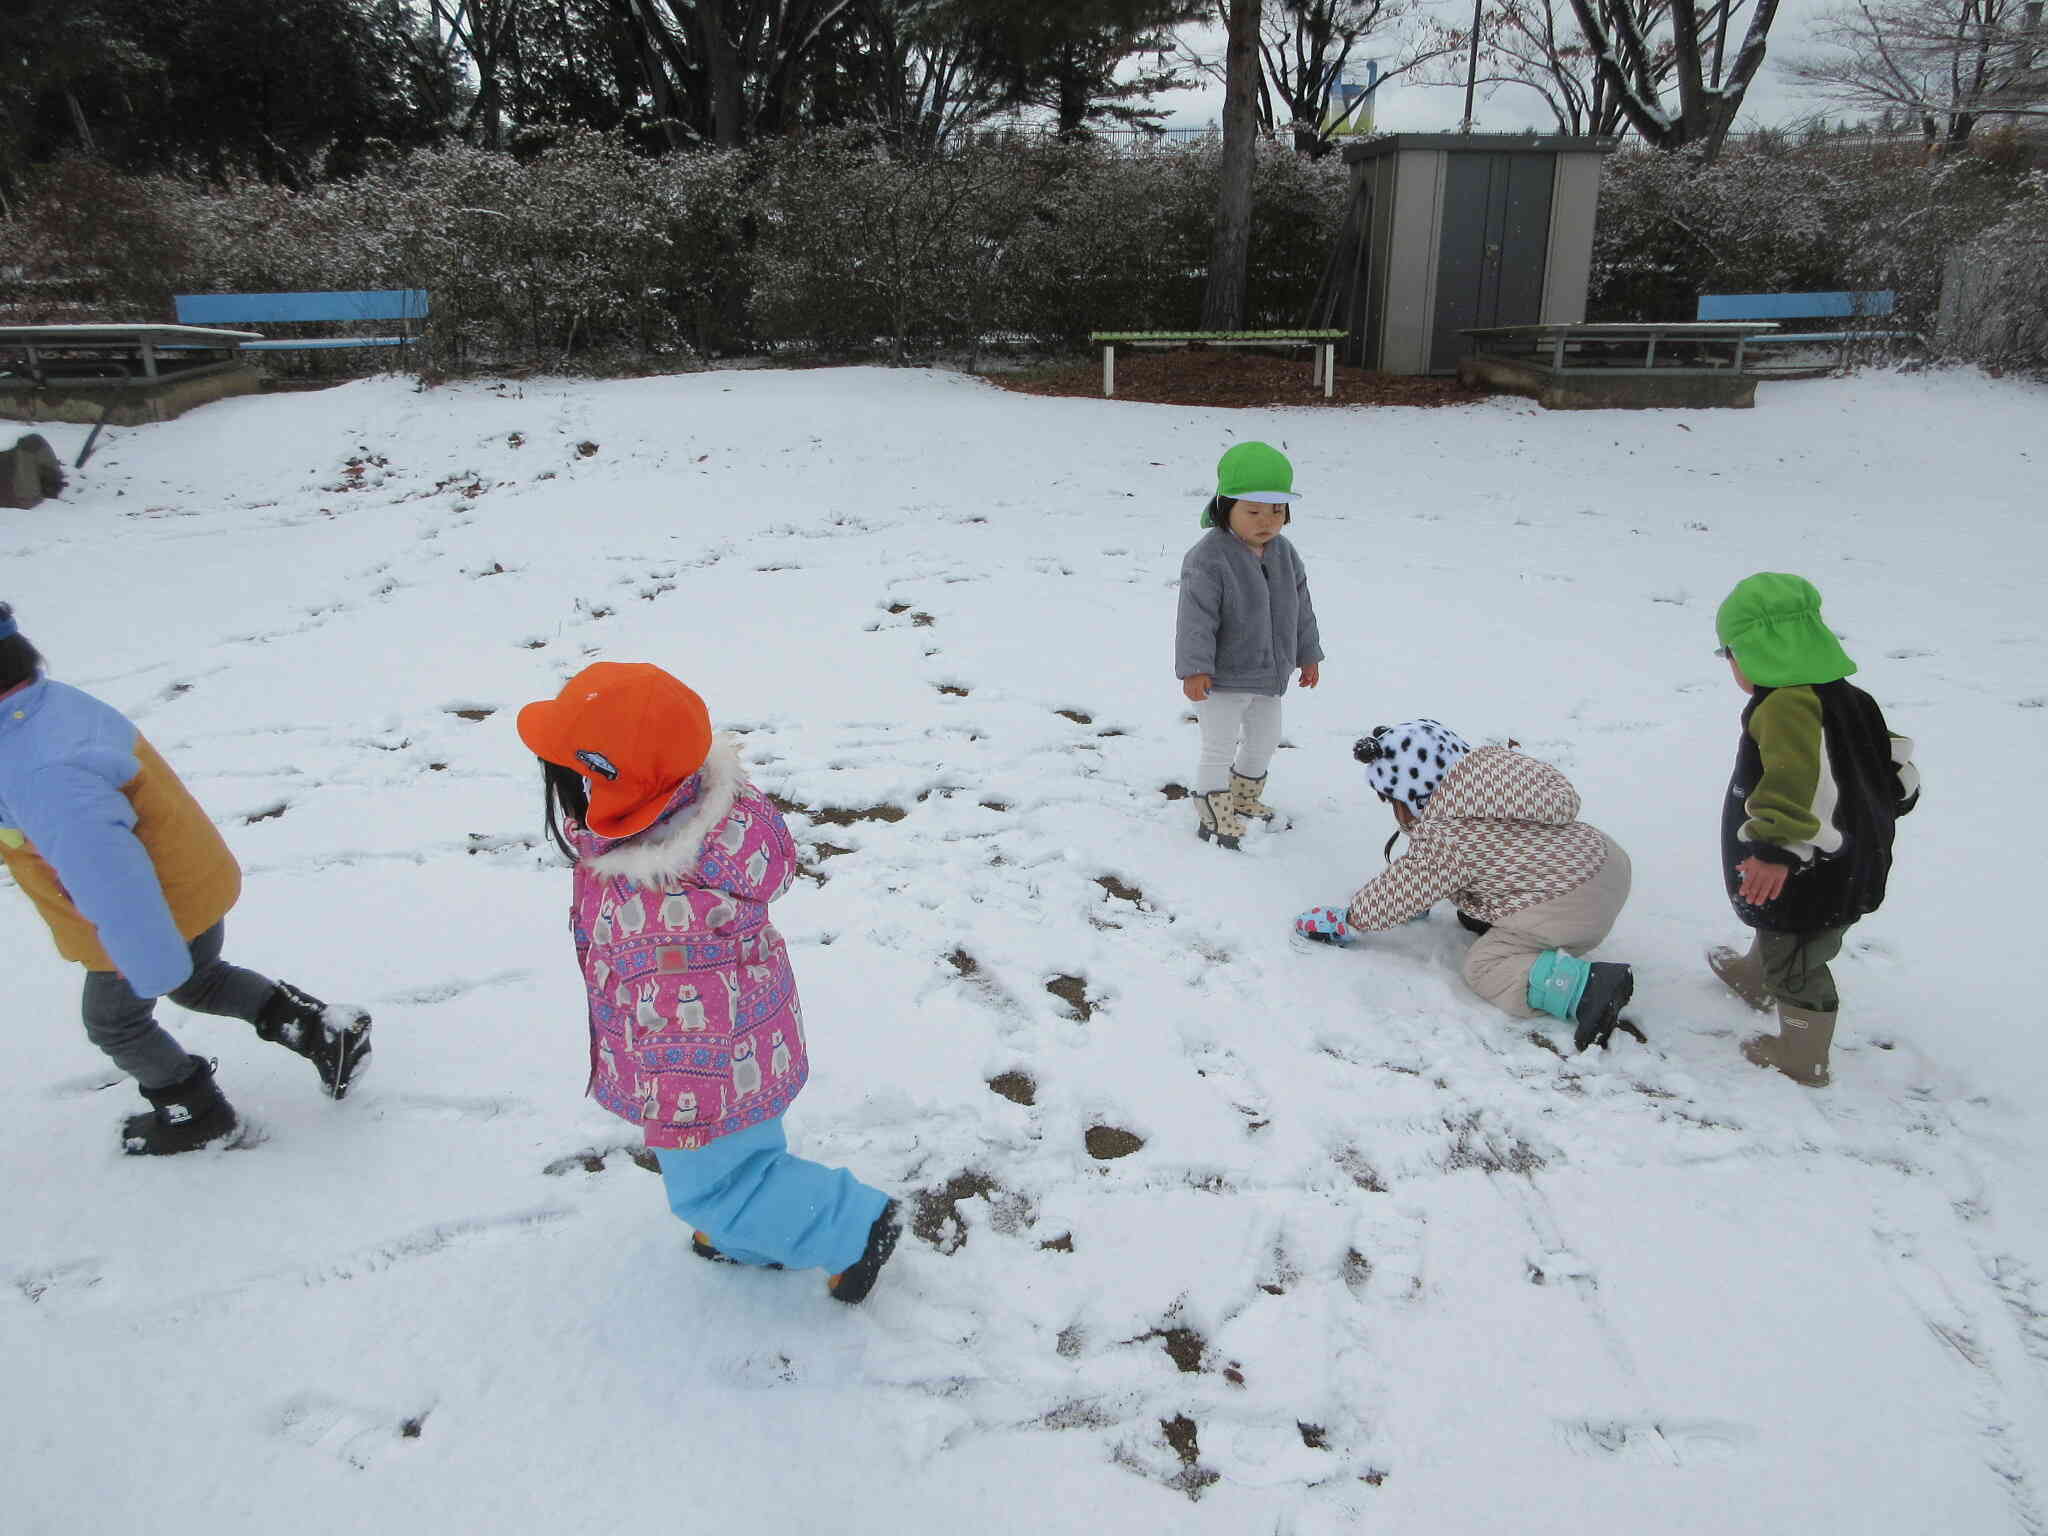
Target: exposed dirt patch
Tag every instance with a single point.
(1119, 890)
(936, 1214)
(995, 805)
(473, 714)
(1184, 1347)
(1313, 1436)
(953, 690)
(923, 620)
(897, 608)
(587, 450)
(1360, 1170)
(1064, 1243)
(1193, 1477)
(1107, 1143)
(837, 815)
(1537, 1037)
(1017, 1087)
(1474, 1146)
(269, 813)
(1231, 376)
(1073, 991)
(1078, 1415)
(594, 1160)
(1175, 791)
(964, 963)
(1079, 717)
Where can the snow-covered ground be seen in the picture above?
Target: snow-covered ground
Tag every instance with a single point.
(1385, 1259)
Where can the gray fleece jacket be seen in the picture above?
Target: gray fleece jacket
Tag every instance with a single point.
(1247, 622)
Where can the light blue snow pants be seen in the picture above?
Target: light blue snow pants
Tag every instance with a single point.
(760, 1205)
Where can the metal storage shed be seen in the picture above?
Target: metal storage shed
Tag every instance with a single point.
(1445, 231)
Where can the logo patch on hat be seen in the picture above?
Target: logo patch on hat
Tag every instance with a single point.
(598, 764)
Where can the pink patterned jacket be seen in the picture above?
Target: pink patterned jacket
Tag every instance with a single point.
(1500, 834)
(695, 1028)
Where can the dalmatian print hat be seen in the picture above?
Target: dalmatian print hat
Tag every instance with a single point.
(1406, 762)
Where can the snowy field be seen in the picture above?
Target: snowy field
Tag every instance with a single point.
(1385, 1260)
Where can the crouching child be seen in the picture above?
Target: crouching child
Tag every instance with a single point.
(1498, 832)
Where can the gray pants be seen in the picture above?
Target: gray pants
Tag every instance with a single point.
(1240, 732)
(1796, 967)
(1498, 966)
(125, 1027)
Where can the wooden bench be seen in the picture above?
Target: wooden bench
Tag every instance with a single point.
(1807, 306)
(402, 304)
(1323, 363)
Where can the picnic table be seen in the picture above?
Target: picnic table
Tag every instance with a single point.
(1322, 369)
(1618, 363)
(83, 353)
(119, 373)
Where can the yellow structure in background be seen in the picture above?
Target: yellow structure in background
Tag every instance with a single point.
(1351, 104)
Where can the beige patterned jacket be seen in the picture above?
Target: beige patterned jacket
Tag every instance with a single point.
(1499, 835)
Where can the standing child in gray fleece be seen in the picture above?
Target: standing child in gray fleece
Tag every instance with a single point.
(1245, 624)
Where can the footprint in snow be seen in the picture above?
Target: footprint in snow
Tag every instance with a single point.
(352, 1434)
(1675, 1442)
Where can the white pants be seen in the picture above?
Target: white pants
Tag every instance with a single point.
(1225, 718)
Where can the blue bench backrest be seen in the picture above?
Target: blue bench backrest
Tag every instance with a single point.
(1792, 306)
(239, 308)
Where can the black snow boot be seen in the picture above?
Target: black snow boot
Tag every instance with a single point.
(853, 1283)
(185, 1116)
(336, 1040)
(1472, 924)
(1608, 989)
(701, 1246)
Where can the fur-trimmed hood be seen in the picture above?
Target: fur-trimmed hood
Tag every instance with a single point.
(668, 851)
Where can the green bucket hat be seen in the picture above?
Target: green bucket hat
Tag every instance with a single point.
(1253, 472)
(1772, 624)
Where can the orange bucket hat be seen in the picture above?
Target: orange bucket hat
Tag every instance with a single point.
(633, 732)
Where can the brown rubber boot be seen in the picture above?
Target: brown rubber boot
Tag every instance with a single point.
(1800, 1047)
(1742, 974)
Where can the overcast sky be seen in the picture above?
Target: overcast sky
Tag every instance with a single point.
(1773, 98)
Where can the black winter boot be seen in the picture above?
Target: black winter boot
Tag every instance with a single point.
(185, 1116)
(701, 1246)
(336, 1040)
(1608, 989)
(1472, 924)
(853, 1283)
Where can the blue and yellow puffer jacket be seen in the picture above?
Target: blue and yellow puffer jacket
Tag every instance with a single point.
(121, 861)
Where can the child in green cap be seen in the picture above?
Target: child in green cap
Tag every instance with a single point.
(1806, 830)
(1245, 624)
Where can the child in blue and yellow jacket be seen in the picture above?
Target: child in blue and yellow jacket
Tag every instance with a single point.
(135, 883)
(1806, 828)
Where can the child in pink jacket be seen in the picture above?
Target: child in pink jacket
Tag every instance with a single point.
(696, 1035)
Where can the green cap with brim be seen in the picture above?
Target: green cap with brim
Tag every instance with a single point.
(1772, 624)
(1253, 472)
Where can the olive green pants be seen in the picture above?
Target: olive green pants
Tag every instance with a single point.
(1796, 967)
